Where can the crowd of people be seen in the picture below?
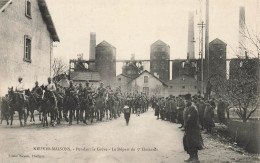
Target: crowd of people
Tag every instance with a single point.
(84, 103)
(194, 113)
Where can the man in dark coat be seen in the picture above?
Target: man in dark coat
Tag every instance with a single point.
(221, 108)
(201, 110)
(192, 140)
(209, 116)
(127, 111)
(180, 107)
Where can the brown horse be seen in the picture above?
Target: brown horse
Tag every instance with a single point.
(34, 103)
(16, 103)
(5, 111)
(49, 105)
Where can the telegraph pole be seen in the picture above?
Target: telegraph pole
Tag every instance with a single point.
(201, 26)
(207, 74)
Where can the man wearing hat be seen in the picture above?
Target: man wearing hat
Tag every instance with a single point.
(192, 140)
(37, 91)
(180, 109)
(101, 90)
(127, 111)
(20, 89)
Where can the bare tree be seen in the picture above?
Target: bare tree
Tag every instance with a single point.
(59, 69)
(157, 90)
(241, 90)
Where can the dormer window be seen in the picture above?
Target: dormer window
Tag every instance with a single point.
(28, 8)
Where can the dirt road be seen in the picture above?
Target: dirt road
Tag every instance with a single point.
(144, 140)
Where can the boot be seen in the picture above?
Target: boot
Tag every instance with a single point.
(190, 159)
(196, 158)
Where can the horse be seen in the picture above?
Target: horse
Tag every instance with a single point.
(49, 105)
(100, 106)
(34, 103)
(71, 103)
(16, 103)
(5, 111)
(60, 107)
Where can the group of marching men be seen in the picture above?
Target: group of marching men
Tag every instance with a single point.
(84, 103)
(194, 113)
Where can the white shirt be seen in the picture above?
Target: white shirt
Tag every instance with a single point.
(51, 87)
(20, 87)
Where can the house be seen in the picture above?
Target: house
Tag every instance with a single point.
(182, 85)
(149, 84)
(122, 82)
(27, 33)
(81, 77)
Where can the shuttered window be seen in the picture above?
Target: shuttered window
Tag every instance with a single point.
(28, 9)
(27, 48)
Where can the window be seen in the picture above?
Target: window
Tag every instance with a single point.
(28, 12)
(183, 87)
(145, 79)
(146, 90)
(195, 87)
(27, 48)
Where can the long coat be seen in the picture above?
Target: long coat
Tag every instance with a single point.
(192, 140)
(221, 108)
(209, 116)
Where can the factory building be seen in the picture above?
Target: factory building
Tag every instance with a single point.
(159, 58)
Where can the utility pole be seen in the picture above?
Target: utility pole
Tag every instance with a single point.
(201, 26)
(207, 43)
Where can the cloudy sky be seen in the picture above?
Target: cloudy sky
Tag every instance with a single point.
(133, 25)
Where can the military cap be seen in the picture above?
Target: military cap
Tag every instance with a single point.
(187, 97)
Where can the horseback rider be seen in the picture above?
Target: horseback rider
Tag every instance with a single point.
(37, 91)
(80, 91)
(20, 89)
(88, 91)
(50, 89)
(101, 91)
(71, 90)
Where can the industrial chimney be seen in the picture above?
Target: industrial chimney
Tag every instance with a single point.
(92, 48)
(92, 51)
(191, 48)
(241, 41)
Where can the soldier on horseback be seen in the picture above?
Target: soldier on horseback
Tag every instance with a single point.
(20, 89)
(71, 100)
(101, 90)
(37, 91)
(100, 101)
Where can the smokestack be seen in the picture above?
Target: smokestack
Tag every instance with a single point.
(191, 48)
(241, 38)
(92, 48)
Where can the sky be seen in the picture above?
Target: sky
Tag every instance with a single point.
(133, 25)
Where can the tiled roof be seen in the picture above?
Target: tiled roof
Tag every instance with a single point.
(3, 3)
(45, 15)
(47, 18)
(83, 76)
(153, 76)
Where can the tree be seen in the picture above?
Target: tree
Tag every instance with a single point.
(156, 90)
(241, 90)
(59, 69)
